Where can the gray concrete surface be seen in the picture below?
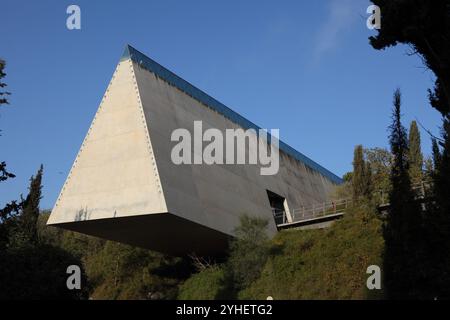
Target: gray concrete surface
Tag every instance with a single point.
(123, 185)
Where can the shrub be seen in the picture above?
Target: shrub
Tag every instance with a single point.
(209, 284)
(248, 251)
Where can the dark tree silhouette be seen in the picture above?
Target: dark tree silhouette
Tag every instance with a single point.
(33, 269)
(403, 252)
(437, 157)
(425, 26)
(361, 178)
(4, 174)
(415, 155)
(11, 209)
(30, 209)
(3, 94)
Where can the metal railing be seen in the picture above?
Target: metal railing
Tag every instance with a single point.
(315, 211)
(335, 207)
(421, 189)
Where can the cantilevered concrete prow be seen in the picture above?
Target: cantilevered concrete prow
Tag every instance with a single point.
(125, 186)
(115, 173)
(161, 232)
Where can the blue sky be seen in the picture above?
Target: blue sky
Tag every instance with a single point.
(303, 67)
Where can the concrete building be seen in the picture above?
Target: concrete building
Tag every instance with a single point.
(123, 185)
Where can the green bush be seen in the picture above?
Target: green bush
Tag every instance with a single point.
(209, 284)
(38, 272)
(118, 271)
(248, 252)
(322, 264)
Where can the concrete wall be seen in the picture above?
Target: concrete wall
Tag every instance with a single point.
(123, 185)
(217, 195)
(114, 173)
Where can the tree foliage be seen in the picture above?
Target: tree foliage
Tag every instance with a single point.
(425, 26)
(11, 209)
(24, 231)
(209, 284)
(362, 175)
(328, 263)
(403, 230)
(248, 251)
(4, 174)
(3, 94)
(33, 269)
(37, 272)
(375, 184)
(380, 161)
(415, 156)
(118, 271)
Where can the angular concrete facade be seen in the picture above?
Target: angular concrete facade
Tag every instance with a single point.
(123, 185)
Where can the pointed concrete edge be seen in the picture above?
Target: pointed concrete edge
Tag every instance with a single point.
(56, 219)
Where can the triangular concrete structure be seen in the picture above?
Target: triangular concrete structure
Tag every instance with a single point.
(115, 167)
(123, 185)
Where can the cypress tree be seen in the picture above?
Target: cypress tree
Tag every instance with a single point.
(443, 178)
(415, 156)
(361, 178)
(436, 152)
(31, 209)
(437, 227)
(401, 26)
(403, 251)
(358, 172)
(442, 215)
(24, 232)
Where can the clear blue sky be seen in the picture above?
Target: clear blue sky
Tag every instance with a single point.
(304, 67)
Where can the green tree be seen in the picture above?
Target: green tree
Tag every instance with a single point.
(209, 284)
(442, 180)
(11, 209)
(425, 26)
(380, 161)
(415, 156)
(248, 251)
(437, 157)
(4, 174)
(119, 271)
(38, 272)
(29, 269)
(438, 220)
(30, 213)
(403, 252)
(362, 175)
(33, 269)
(24, 231)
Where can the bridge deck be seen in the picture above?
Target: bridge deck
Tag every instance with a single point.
(311, 221)
(317, 214)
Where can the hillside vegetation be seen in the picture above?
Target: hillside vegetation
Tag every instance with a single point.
(306, 264)
(118, 271)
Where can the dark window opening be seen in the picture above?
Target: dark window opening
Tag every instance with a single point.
(277, 205)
